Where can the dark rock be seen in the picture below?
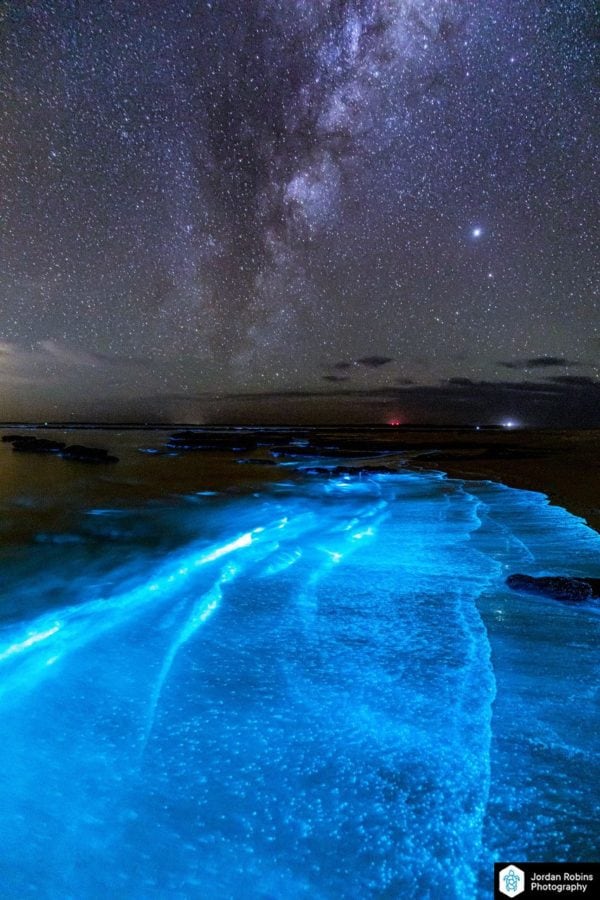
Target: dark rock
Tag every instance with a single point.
(186, 437)
(556, 587)
(594, 583)
(37, 445)
(87, 454)
(30, 444)
(9, 438)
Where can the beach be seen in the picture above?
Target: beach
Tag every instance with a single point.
(286, 662)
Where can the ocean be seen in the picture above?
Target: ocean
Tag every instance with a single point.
(240, 680)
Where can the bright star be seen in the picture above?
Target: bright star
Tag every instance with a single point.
(477, 232)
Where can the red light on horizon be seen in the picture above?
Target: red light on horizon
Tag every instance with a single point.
(395, 422)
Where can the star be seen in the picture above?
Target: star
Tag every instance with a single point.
(182, 205)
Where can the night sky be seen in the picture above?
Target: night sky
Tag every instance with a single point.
(300, 211)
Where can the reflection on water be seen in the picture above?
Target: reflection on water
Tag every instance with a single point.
(219, 683)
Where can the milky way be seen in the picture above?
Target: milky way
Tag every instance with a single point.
(299, 210)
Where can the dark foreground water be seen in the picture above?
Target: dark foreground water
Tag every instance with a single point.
(223, 681)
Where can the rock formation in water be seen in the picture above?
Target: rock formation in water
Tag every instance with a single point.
(29, 444)
(36, 445)
(556, 587)
(87, 454)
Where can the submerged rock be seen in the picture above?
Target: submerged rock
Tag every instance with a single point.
(29, 444)
(87, 454)
(594, 583)
(556, 587)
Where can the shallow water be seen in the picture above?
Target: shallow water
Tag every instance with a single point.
(218, 683)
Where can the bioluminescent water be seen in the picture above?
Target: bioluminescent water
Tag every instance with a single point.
(306, 687)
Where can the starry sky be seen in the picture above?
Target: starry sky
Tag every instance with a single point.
(300, 210)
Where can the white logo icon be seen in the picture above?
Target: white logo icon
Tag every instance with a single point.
(511, 881)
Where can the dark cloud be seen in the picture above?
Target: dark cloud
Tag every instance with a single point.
(374, 362)
(445, 390)
(508, 386)
(335, 378)
(575, 380)
(369, 362)
(532, 404)
(540, 362)
(532, 387)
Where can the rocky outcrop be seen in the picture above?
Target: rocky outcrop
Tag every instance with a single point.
(36, 445)
(87, 454)
(29, 444)
(555, 587)
(594, 583)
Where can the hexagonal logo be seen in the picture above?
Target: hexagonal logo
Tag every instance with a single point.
(511, 881)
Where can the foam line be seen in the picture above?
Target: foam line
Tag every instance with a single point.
(35, 638)
(49, 637)
(200, 614)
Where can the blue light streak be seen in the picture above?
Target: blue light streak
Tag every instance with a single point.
(83, 623)
(28, 642)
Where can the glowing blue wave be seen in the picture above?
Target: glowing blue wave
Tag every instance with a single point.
(79, 624)
(307, 706)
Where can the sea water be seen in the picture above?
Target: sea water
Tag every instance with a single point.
(219, 682)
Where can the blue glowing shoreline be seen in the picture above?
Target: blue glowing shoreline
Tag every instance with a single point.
(327, 692)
